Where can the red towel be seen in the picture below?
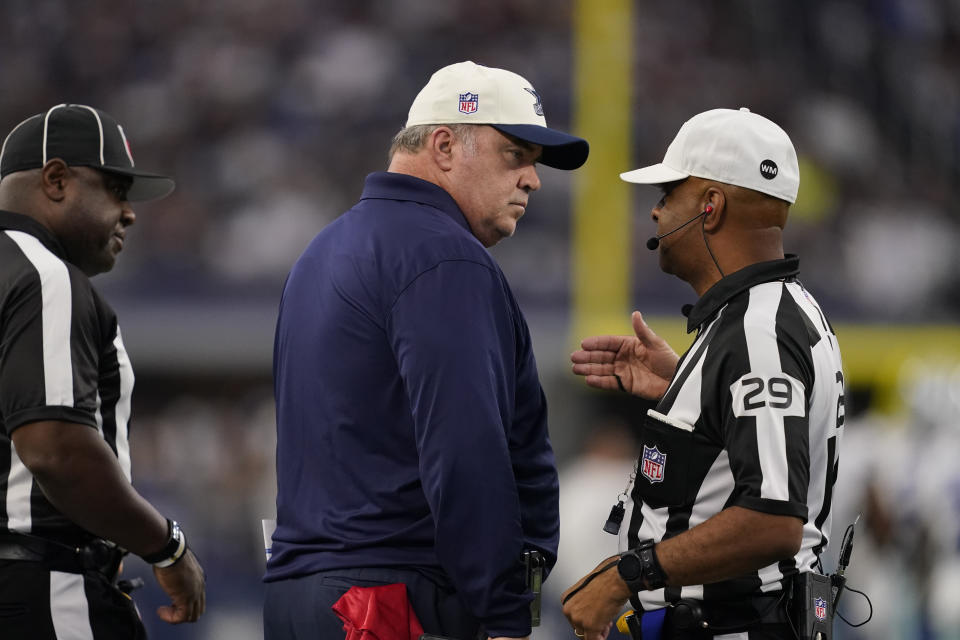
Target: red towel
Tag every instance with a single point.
(378, 613)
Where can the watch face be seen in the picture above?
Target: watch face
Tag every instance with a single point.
(629, 567)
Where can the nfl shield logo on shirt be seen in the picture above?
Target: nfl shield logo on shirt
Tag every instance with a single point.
(469, 102)
(652, 464)
(820, 609)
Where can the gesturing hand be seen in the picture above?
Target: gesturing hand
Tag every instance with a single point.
(641, 365)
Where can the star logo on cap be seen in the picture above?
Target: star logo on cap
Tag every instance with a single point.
(537, 106)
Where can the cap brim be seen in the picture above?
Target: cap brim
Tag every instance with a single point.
(146, 186)
(654, 174)
(560, 150)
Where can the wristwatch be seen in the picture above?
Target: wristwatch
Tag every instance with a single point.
(172, 551)
(640, 568)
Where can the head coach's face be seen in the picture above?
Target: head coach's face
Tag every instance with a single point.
(71, 169)
(479, 133)
(490, 175)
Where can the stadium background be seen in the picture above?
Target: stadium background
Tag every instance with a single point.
(270, 113)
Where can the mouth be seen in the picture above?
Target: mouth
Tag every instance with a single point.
(119, 237)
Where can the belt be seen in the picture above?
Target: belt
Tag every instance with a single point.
(734, 615)
(97, 555)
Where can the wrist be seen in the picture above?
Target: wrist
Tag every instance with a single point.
(640, 569)
(172, 551)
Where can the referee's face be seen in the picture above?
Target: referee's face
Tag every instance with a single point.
(93, 227)
(680, 247)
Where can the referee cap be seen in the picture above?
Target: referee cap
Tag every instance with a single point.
(80, 136)
(737, 147)
(468, 93)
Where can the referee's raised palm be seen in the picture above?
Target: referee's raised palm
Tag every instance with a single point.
(641, 364)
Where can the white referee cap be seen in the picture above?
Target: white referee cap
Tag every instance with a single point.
(732, 146)
(468, 93)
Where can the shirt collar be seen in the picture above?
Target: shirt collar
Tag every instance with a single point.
(721, 292)
(20, 222)
(385, 185)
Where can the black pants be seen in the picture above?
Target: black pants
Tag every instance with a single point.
(39, 604)
(300, 608)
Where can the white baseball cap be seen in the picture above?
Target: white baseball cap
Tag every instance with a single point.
(736, 147)
(468, 93)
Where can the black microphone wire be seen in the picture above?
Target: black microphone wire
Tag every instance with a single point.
(703, 232)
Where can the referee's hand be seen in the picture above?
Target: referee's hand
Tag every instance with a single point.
(641, 365)
(184, 583)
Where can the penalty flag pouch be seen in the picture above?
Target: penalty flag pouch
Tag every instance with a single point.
(663, 469)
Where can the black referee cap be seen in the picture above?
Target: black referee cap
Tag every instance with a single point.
(80, 136)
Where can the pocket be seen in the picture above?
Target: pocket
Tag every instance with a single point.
(111, 610)
(663, 469)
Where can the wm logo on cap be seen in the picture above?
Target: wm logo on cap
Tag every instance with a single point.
(768, 169)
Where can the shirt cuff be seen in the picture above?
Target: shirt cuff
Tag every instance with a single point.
(773, 507)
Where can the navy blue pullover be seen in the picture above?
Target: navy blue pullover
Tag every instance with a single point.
(411, 424)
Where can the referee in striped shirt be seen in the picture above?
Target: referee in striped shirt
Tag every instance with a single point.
(68, 512)
(732, 491)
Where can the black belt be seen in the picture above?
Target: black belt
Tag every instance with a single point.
(734, 615)
(96, 555)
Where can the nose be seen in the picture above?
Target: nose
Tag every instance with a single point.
(127, 215)
(529, 180)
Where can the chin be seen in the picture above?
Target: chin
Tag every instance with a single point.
(507, 231)
(665, 264)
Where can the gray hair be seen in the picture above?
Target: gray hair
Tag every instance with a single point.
(412, 139)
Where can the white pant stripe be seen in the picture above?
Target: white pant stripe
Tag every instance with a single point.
(68, 607)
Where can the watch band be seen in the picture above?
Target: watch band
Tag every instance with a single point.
(640, 568)
(172, 551)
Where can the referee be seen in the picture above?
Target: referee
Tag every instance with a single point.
(732, 491)
(68, 512)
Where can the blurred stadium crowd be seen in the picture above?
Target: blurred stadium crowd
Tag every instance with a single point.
(269, 113)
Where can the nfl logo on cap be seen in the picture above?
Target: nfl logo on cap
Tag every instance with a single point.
(469, 102)
(820, 609)
(653, 463)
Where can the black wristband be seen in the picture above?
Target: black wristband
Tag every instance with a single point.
(172, 551)
(640, 568)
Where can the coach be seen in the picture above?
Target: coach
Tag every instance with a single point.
(68, 512)
(412, 443)
(733, 487)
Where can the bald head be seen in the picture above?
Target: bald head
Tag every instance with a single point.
(754, 210)
(22, 192)
(745, 227)
(738, 227)
(85, 209)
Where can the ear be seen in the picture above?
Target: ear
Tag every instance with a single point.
(440, 145)
(53, 179)
(717, 200)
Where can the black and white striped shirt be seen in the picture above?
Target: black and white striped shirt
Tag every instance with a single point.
(753, 417)
(61, 358)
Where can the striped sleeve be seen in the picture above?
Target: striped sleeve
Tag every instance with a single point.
(766, 428)
(50, 339)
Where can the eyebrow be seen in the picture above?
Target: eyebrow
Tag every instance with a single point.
(116, 178)
(523, 144)
(667, 187)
